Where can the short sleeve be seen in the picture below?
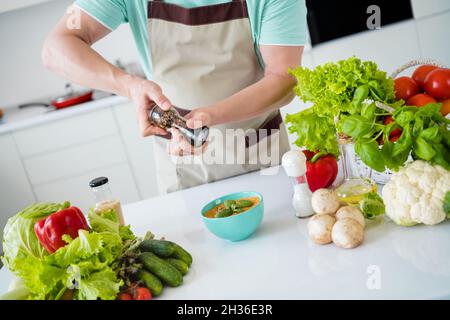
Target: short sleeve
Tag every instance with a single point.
(110, 13)
(284, 23)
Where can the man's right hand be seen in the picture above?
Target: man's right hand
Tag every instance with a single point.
(145, 93)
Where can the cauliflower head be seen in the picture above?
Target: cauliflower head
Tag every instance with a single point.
(415, 194)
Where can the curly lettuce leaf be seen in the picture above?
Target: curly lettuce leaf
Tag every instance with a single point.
(341, 87)
(98, 285)
(313, 132)
(108, 223)
(80, 266)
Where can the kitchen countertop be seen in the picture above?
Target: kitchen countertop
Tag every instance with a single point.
(7, 127)
(280, 262)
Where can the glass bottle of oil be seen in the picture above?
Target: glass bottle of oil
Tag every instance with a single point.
(355, 184)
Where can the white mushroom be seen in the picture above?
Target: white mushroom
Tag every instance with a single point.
(319, 228)
(347, 233)
(352, 213)
(325, 201)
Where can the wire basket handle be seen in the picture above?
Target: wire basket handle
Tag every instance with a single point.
(415, 63)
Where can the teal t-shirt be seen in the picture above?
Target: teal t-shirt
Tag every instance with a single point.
(274, 22)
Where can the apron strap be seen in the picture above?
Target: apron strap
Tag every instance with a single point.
(230, 1)
(203, 15)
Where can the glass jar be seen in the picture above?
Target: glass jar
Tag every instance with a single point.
(356, 181)
(104, 200)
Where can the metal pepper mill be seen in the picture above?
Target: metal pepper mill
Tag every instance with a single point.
(172, 119)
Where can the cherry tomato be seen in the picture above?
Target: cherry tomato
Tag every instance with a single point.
(395, 134)
(142, 294)
(445, 109)
(420, 100)
(421, 73)
(405, 88)
(125, 296)
(437, 84)
(394, 138)
(388, 120)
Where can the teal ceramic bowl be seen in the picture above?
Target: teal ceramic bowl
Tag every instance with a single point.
(236, 227)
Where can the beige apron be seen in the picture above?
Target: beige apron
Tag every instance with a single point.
(201, 56)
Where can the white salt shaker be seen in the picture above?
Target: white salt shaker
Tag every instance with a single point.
(294, 163)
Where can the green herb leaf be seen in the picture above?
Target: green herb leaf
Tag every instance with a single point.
(372, 206)
(370, 154)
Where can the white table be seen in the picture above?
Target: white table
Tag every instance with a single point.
(280, 262)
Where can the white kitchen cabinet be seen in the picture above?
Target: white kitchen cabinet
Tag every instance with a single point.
(434, 38)
(77, 190)
(138, 149)
(71, 162)
(9, 5)
(424, 8)
(15, 189)
(390, 47)
(65, 133)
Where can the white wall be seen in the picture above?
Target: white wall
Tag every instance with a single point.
(22, 33)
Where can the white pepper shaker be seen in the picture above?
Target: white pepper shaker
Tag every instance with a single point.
(294, 163)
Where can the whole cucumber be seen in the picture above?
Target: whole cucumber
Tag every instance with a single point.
(179, 264)
(182, 254)
(162, 269)
(150, 281)
(162, 248)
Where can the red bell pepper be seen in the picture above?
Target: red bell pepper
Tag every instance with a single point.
(321, 170)
(50, 230)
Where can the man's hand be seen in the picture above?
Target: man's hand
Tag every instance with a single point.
(180, 147)
(145, 94)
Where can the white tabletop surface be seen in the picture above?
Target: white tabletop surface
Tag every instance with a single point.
(280, 262)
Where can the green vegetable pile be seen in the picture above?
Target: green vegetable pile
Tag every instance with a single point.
(98, 264)
(83, 265)
(336, 89)
(153, 263)
(345, 96)
(425, 136)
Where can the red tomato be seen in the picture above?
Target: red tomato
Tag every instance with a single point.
(420, 100)
(405, 88)
(394, 137)
(142, 294)
(437, 84)
(445, 109)
(395, 134)
(421, 73)
(388, 120)
(125, 296)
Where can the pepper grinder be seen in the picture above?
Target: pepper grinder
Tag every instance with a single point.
(172, 119)
(294, 163)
